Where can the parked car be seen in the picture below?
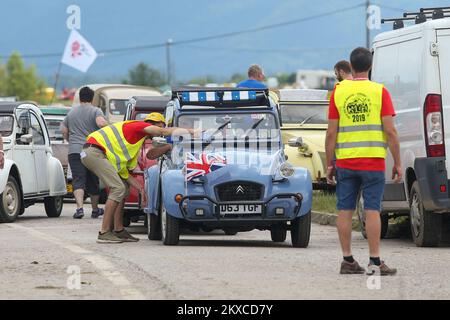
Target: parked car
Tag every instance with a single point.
(138, 108)
(235, 184)
(304, 121)
(31, 172)
(113, 98)
(413, 63)
(54, 116)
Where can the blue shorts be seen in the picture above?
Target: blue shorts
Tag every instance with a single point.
(351, 182)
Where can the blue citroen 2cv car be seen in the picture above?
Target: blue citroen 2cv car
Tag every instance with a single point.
(234, 176)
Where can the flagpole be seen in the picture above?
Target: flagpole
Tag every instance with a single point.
(56, 81)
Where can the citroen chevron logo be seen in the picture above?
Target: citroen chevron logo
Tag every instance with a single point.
(240, 189)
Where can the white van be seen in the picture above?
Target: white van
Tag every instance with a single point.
(414, 65)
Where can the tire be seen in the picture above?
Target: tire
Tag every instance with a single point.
(362, 219)
(170, 228)
(11, 204)
(154, 227)
(301, 231)
(53, 206)
(278, 233)
(426, 226)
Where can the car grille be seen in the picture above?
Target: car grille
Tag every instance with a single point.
(240, 191)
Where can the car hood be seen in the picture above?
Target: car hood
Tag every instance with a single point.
(242, 162)
(313, 138)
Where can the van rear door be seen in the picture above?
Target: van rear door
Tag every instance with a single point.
(443, 40)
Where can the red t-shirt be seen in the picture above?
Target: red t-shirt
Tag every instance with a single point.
(368, 164)
(132, 131)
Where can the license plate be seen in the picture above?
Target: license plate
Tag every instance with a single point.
(69, 188)
(240, 209)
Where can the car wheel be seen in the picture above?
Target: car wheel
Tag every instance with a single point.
(53, 206)
(362, 219)
(154, 227)
(278, 233)
(10, 201)
(301, 230)
(170, 228)
(426, 226)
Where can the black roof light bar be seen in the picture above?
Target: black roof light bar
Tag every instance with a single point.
(420, 17)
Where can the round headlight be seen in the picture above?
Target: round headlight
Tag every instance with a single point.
(286, 170)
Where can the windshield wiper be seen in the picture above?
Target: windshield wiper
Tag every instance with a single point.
(307, 119)
(205, 144)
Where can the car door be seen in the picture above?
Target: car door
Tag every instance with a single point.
(23, 154)
(41, 152)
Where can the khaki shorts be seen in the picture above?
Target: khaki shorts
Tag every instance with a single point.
(95, 160)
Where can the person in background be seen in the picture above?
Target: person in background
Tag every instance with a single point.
(81, 121)
(255, 78)
(2, 153)
(343, 71)
(360, 128)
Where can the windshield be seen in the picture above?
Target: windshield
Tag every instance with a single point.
(6, 125)
(304, 114)
(54, 129)
(118, 107)
(232, 125)
(141, 115)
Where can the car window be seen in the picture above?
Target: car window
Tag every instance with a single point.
(6, 125)
(36, 131)
(233, 124)
(306, 114)
(54, 129)
(118, 107)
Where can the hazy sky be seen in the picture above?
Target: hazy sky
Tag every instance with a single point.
(39, 27)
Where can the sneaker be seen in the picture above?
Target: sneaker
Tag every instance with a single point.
(108, 237)
(382, 269)
(351, 268)
(97, 213)
(79, 213)
(125, 236)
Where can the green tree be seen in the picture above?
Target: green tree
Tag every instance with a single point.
(238, 77)
(2, 80)
(144, 75)
(21, 81)
(201, 81)
(286, 78)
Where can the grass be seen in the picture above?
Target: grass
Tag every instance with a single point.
(324, 202)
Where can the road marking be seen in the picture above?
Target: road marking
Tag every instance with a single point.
(105, 267)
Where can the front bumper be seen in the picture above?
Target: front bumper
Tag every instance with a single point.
(241, 217)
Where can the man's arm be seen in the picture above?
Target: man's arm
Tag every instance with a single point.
(394, 146)
(155, 131)
(65, 132)
(330, 146)
(101, 121)
(2, 154)
(155, 153)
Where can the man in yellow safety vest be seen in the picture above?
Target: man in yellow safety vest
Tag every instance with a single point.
(360, 129)
(110, 153)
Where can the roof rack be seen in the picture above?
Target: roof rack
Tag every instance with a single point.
(221, 97)
(420, 17)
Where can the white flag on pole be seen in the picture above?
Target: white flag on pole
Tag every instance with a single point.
(79, 54)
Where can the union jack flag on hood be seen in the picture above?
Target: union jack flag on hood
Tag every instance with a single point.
(202, 164)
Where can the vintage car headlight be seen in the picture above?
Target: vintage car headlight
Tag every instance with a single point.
(286, 170)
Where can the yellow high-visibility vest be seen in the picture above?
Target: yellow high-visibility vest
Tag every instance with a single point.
(360, 132)
(120, 153)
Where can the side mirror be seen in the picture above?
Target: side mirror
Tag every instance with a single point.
(26, 138)
(295, 142)
(159, 142)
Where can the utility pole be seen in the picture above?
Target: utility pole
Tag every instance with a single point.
(168, 62)
(366, 25)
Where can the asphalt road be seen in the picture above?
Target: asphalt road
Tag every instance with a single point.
(42, 258)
